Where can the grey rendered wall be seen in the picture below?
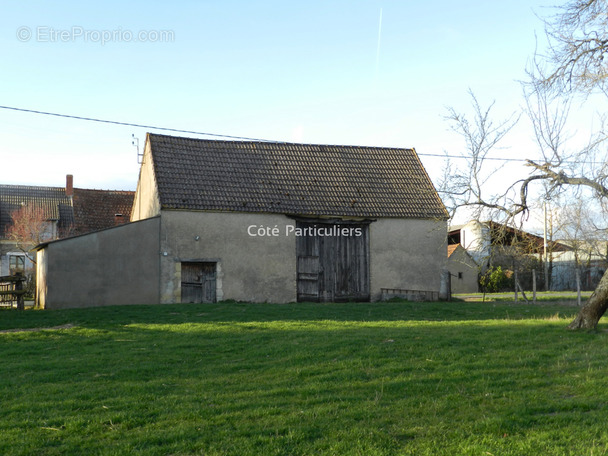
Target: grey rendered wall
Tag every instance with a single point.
(250, 268)
(407, 253)
(112, 267)
(146, 203)
(461, 262)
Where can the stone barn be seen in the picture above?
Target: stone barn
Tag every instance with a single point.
(258, 222)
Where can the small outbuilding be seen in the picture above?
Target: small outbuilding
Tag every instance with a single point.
(258, 221)
(464, 271)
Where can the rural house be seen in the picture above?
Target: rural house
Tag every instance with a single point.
(50, 204)
(55, 212)
(463, 270)
(258, 221)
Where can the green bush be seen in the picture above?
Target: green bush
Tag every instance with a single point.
(494, 280)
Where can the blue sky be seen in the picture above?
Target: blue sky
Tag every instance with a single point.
(313, 72)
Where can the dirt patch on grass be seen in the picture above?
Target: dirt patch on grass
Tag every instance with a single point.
(52, 328)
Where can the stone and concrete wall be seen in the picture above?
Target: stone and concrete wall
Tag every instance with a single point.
(249, 268)
(140, 262)
(407, 254)
(464, 272)
(111, 267)
(404, 253)
(146, 203)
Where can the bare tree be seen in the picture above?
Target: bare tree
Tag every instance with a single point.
(29, 228)
(577, 222)
(578, 44)
(574, 63)
(558, 170)
(466, 186)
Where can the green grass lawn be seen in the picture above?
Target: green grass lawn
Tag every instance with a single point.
(303, 379)
(541, 296)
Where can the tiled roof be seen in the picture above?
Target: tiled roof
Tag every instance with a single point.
(88, 210)
(99, 209)
(452, 248)
(52, 200)
(298, 179)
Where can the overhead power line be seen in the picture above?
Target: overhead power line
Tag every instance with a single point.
(129, 124)
(217, 135)
(463, 157)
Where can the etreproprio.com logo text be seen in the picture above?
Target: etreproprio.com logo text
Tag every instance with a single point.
(47, 34)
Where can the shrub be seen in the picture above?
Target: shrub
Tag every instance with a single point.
(495, 280)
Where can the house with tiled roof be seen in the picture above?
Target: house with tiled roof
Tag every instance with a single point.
(464, 271)
(64, 211)
(96, 210)
(51, 204)
(260, 221)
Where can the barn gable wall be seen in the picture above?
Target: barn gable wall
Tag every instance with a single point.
(464, 271)
(147, 202)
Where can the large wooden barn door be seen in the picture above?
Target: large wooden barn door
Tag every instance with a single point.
(333, 268)
(198, 282)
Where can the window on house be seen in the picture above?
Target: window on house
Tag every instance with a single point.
(16, 263)
(460, 275)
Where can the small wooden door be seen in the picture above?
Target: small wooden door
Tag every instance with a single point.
(309, 277)
(198, 282)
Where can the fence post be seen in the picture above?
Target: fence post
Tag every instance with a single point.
(19, 289)
(578, 286)
(534, 286)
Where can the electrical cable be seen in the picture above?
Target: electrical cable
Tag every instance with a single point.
(217, 135)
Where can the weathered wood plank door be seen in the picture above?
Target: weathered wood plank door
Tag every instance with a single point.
(352, 267)
(308, 278)
(198, 282)
(333, 267)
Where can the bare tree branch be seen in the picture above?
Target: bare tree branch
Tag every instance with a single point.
(575, 62)
(578, 37)
(466, 187)
(560, 178)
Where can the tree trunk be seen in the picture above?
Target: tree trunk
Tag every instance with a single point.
(595, 307)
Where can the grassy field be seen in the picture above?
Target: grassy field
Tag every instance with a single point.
(541, 296)
(303, 379)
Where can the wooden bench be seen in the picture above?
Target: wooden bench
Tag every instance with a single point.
(410, 295)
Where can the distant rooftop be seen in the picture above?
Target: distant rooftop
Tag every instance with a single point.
(53, 202)
(84, 211)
